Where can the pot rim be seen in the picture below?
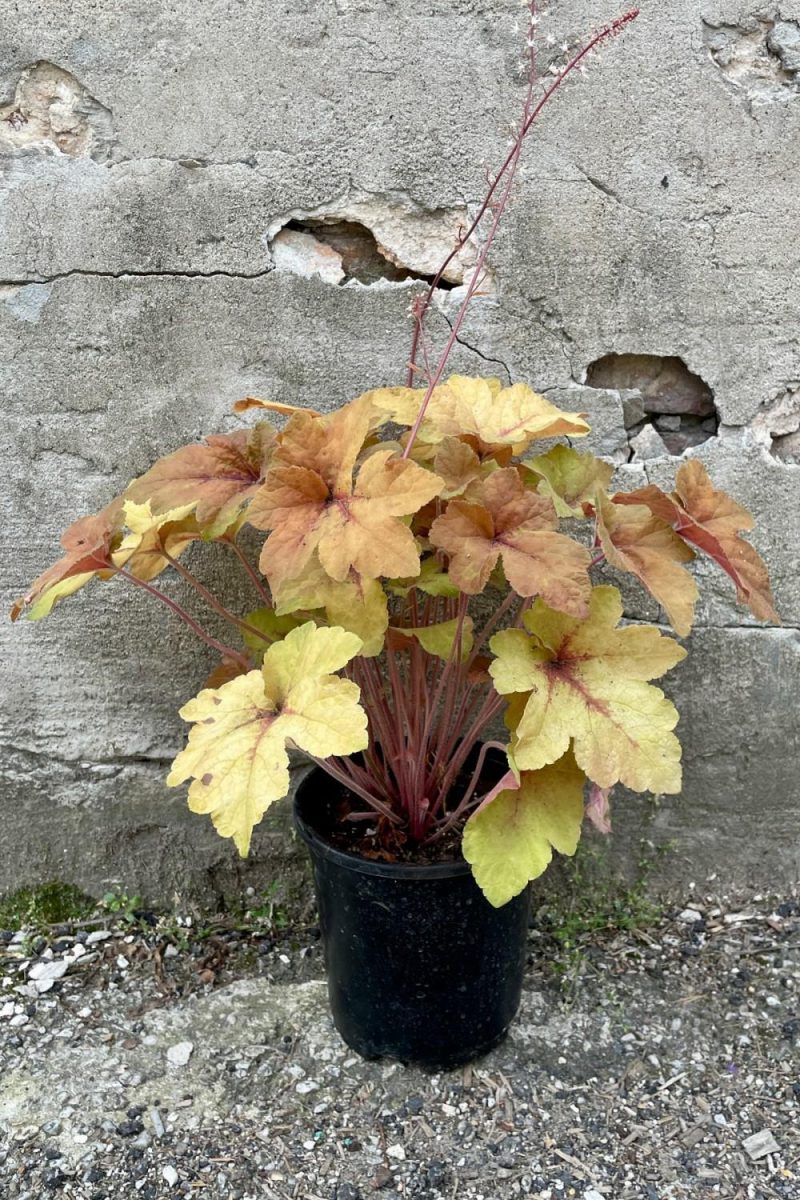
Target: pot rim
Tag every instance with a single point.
(366, 866)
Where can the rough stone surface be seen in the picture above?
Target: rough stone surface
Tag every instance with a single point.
(148, 157)
(657, 1060)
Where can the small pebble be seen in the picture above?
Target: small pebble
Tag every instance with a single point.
(179, 1054)
(97, 935)
(760, 1144)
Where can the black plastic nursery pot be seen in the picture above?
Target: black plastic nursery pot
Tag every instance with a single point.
(420, 966)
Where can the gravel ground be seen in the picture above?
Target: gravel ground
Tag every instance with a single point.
(156, 1063)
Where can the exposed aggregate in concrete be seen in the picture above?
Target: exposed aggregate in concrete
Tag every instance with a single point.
(657, 1064)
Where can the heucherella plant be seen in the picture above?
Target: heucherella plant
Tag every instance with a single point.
(375, 650)
(427, 570)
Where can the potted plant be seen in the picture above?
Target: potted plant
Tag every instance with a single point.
(416, 591)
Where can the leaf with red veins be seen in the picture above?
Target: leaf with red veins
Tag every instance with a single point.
(501, 420)
(633, 540)
(329, 445)
(587, 683)
(310, 501)
(364, 531)
(517, 526)
(292, 503)
(88, 544)
(712, 521)
(219, 476)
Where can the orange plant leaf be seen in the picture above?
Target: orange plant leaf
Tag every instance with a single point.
(712, 521)
(517, 526)
(633, 540)
(276, 406)
(219, 475)
(88, 543)
(317, 496)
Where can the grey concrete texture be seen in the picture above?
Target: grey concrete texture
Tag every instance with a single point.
(149, 154)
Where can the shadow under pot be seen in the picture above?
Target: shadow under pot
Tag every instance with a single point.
(420, 966)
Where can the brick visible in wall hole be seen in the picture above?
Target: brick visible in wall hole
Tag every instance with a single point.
(373, 240)
(667, 407)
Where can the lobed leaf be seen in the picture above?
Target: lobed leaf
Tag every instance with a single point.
(497, 417)
(633, 540)
(504, 520)
(218, 477)
(312, 501)
(584, 682)
(141, 550)
(568, 478)
(237, 756)
(356, 604)
(511, 840)
(711, 521)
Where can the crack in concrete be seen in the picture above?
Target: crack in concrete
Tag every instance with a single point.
(485, 357)
(90, 274)
(784, 627)
(100, 765)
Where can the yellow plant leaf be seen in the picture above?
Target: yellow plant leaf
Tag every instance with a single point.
(495, 416)
(356, 604)
(360, 606)
(511, 840)
(141, 550)
(58, 591)
(568, 478)
(439, 639)
(236, 754)
(633, 540)
(504, 520)
(585, 682)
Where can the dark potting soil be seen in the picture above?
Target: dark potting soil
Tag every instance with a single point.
(378, 839)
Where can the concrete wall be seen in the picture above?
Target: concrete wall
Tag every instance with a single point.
(149, 152)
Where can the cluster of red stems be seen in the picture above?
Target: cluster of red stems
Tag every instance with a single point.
(428, 721)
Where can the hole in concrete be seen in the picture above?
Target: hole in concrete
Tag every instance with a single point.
(374, 240)
(759, 55)
(51, 109)
(339, 251)
(667, 408)
(776, 426)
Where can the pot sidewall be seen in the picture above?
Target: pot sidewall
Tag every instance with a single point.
(420, 966)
